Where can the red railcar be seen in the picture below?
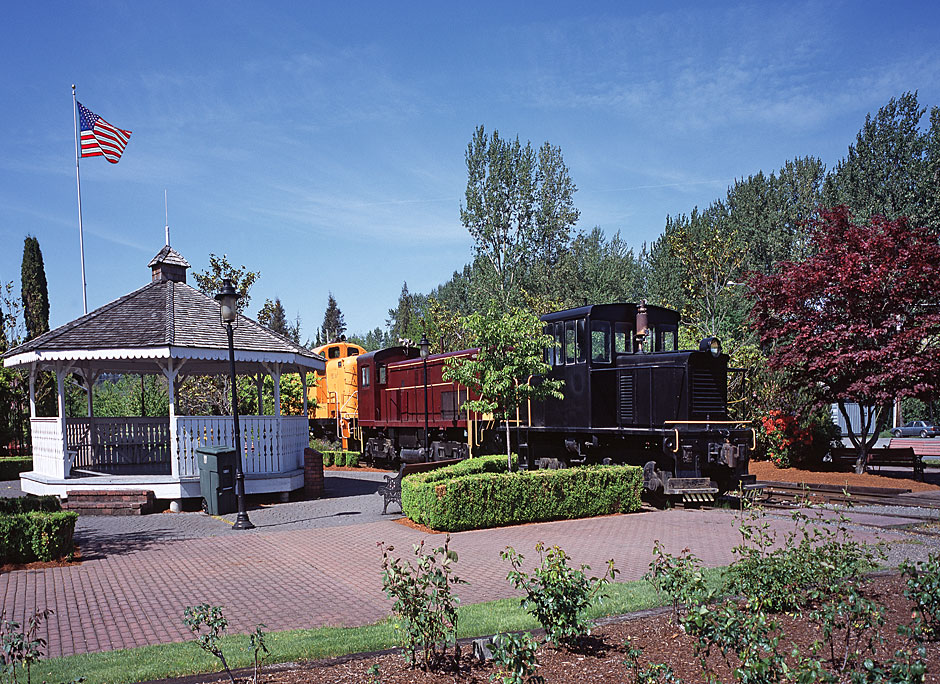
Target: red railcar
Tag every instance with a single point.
(392, 407)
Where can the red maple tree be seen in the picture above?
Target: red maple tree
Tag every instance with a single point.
(858, 321)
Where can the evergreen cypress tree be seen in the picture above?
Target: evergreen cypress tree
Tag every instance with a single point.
(35, 290)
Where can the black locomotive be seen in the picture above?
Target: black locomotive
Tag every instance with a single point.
(631, 396)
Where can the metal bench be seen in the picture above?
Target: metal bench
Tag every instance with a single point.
(903, 458)
(391, 490)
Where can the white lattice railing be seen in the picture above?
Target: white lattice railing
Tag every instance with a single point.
(271, 444)
(48, 446)
(125, 442)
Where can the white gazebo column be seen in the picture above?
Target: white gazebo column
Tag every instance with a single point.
(259, 381)
(275, 371)
(32, 390)
(303, 387)
(170, 372)
(60, 374)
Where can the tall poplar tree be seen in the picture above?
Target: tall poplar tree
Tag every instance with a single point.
(35, 291)
(519, 210)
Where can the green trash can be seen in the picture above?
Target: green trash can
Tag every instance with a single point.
(217, 479)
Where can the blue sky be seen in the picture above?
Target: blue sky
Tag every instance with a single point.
(323, 143)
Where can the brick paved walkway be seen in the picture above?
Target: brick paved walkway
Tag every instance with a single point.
(131, 591)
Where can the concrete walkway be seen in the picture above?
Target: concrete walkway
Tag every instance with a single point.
(311, 564)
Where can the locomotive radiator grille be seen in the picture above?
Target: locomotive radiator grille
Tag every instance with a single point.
(707, 397)
(625, 391)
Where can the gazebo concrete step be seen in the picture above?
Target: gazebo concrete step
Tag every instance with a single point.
(110, 502)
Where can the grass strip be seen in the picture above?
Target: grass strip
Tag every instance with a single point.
(163, 661)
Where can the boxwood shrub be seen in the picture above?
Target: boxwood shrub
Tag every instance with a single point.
(12, 466)
(327, 458)
(339, 458)
(352, 459)
(25, 504)
(37, 535)
(490, 499)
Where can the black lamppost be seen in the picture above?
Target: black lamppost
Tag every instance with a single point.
(424, 348)
(228, 313)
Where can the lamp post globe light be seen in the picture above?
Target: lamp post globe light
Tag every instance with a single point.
(424, 348)
(228, 314)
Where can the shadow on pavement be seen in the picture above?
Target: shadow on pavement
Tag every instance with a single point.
(338, 486)
(98, 546)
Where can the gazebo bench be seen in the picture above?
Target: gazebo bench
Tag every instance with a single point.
(391, 490)
(883, 456)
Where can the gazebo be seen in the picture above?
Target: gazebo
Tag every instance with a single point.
(166, 327)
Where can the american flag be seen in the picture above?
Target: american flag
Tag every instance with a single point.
(99, 138)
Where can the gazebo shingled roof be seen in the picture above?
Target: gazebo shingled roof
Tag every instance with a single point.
(164, 319)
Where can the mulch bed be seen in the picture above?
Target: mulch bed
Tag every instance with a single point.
(42, 565)
(602, 657)
(767, 471)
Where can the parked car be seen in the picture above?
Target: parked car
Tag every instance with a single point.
(916, 428)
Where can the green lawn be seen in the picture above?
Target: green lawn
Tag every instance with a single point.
(170, 660)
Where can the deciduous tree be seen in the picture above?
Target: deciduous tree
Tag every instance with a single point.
(519, 210)
(510, 352)
(857, 321)
(209, 282)
(886, 171)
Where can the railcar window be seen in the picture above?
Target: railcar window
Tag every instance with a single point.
(669, 340)
(571, 343)
(352, 351)
(623, 338)
(649, 341)
(559, 344)
(600, 341)
(382, 375)
(333, 352)
(550, 348)
(581, 342)
(365, 376)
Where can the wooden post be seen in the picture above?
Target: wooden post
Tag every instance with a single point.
(171, 372)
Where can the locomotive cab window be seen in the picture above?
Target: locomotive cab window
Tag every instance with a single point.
(571, 343)
(623, 338)
(582, 344)
(550, 349)
(352, 351)
(365, 376)
(382, 375)
(559, 344)
(667, 340)
(600, 341)
(333, 352)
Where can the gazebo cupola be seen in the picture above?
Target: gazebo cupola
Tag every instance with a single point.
(169, 265)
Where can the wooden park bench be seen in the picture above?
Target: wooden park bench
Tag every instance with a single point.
(391, 490)
(884, 456)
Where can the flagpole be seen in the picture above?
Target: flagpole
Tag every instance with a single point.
(78, 184)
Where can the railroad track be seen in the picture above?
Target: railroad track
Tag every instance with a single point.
(786, 494)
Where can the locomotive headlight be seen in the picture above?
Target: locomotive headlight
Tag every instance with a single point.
(711, 344)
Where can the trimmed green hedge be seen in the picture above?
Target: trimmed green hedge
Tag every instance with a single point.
(37, 535)
(491, 499)
(12, 466)
(26, 504)
(341, 458)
